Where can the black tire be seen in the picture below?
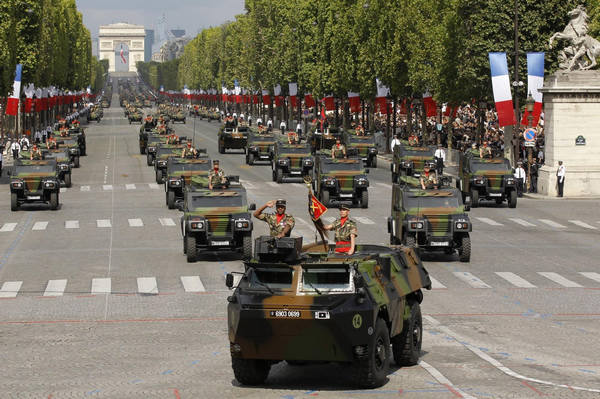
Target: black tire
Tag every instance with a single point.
(512, 199)
(142, 150)
(394, 240)
(171, 199)
(474, 198)
(250, 159)
(247, 246)
(410, 241)
(14, 202)
(406, 346)
(221, 148)
(372, 371)
(374, 162)
(149, 159)
(394, 177)
(279, 176)
(68, 182)
(325, 197)
(364, 199)
(247, 159)
(54, 201)
(184, 246)
(192, 250)
(250, 371)
(76, 161)
(159, 176)
(464, 251)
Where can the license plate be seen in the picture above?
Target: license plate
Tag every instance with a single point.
(495, 195)
(34, 197)
(295, 172)
(439, 243)
(264, 157)
(219, 243)
(286, 313)
(346, 195)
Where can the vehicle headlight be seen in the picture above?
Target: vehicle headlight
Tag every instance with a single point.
(73, 150)
(480, 180)
(361, 181)
(417, 224)
(510, 180)
(151, 149)
(373, 150)
(283, 161)
(197, 225)
(308, 162)
(17, 184)
(407, 164)
(162, 163)
(242, 223)
(329, 181)
(461, 225)
(174, 182)
(49, 184)
(64, 167)
(253, 148)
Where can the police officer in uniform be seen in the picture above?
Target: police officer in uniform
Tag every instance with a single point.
(520, 178)
(345, 232)
(216, 177)
(280, 223)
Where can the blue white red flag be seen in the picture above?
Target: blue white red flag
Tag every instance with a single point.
(535, 81)
(12, 105)
(501, 88)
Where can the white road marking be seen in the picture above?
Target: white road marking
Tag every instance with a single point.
(591, 275)
(7, 227)
(135, 223)
(522, 222)
(40, 226)
(103, 223)
(107, 187)
(583, 224)
(490, 222)
(443, 380)
(364, 220)
(558, 279)
(166, 222)
(85, 188)
(72, 224)
(388, 186)
(153, 186)
(436, 284)
(130, 187)
(10, 289)
(63, 189)
(55, 288)
(484, 356)
(552, 223)
(470, 279)
(147, 285)
(192, 284)
(515, 280)
(101, 286)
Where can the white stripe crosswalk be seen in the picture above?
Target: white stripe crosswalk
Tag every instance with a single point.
(38, 226)
(103, 223)
(167, 222)
(591, 275)
(55, 288)
(10, 289)
(192, 284)
(552, 223)
(470, 279)
(522, 222)
(72, 224)
(515, 280)
(101, 286)
(136, 223)
(147, 285)
(8, 227)
(490, 222)
(560, 280)
(107, 187)
(583, 224)
(364, 220)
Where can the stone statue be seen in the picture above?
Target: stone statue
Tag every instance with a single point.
(580, 43)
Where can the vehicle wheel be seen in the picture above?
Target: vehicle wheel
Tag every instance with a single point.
(184, 246)
(512, 200)
(191, 250)
(247, 246)
(142, 150)
(325, 197)
(410, 241)
(53, 201)
(149, 160)
(464, 252)
(250, 159)
(159, 176)
(372, 371)
(474, 198)
(247, 159)
(76, 161)
(364, 199)
(250, 371)
(14, 202)
(221, 149)
(171, 199)
(130, 121)
(279, 175)
(374, 162)
(394, 240)
(68, 180)
(394, 177)
(406, 346)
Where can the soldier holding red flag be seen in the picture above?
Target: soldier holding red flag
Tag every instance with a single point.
(345, 232)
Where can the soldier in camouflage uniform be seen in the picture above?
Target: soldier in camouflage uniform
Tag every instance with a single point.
(216, 177)
(35, 153)
(189, 151)
(280, 223)
(338, 150)
(428, 179)
(345, 232)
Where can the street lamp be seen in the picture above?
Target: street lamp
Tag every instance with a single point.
(529, 104)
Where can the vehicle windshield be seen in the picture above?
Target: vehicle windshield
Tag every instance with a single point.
(329, 165)
(215, 201)
(449, 201)
(55, 155)
(361, 139)
(273, 277)
(155, 140)
(294, 149)
(262, 139)
(326, 279)
(416, 152)
(46, 168)
(168, 151)
(492, 166)
(183, 167)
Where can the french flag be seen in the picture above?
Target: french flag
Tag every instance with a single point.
(501, 87)
(12, 104)
(535, 81)
(354, 100)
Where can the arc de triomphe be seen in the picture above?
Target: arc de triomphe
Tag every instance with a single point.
(122, 45)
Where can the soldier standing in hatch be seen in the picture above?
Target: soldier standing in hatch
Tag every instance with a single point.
(35, 153)
(338, 150)
(189, 151)
(216, 177)
(345, 232)
(280, 223)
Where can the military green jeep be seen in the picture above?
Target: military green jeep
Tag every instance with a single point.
(178, 116)
(362, 146)
(216, 220)
(431, 219)
(154, 140)
(291, 161)
(34, 181)
(232, 138)
(63, 163)
(78, 133)
(163, 153)
(135, 115)
(341, 180)
(324, 140)
(72, 145)
(259, 147)
(317, 307)
(180, 172)
(410, 161)
(486, 178)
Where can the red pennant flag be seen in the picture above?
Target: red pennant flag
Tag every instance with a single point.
(381, 105)
(255, 99)
(28, 105)
(309, 101)
(430, 105)
(403, 109)
(294, 101)
(266, 99)
(354, 102)
(278, 101)
(329, 103)
(315, 208)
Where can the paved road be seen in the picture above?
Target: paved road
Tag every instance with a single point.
(97, 299)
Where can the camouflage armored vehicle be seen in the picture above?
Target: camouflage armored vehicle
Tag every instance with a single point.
(70, 143)
(79, 134)
(163, 153)
(259, 147)
(215, 220)
(324, 140)
(180, 172)
(105, 104)
(152, 143)
(486, 178)
(34, 181)
(362, 146)
(430, 219)
(326, 307)
(212, 116)
(135, 115)
(145, 130)
(232, 138)
(178, 116)
(291, 160)
(341, 180)
(95, 114)
(410, 161)
(63, 163)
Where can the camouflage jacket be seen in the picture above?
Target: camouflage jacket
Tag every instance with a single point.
(338, 152)
(343, 233)
(277, 228)
(216, 177)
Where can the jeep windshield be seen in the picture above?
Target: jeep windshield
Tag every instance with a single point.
(416, 152)
(326, 278)
(430, 201)
(271, 277)
(162, 152)
(215, 201)
(47, 168)
(500, 166)
(184, 167)
(294, 149)
(353, 139)
(259, 139)
(331, 165)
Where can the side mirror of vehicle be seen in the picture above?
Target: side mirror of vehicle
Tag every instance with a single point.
(252, 207)
(468, 203)
(367, 171)
(229, 280)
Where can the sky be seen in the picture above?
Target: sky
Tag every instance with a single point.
(191, 15)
